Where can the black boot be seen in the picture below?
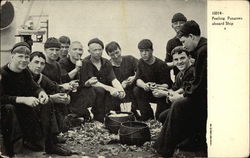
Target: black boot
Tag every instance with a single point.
(53, 148)
(58, 150)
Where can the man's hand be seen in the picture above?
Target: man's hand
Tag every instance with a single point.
(68, 99)
(130, 80)
(67, 86)
(170, 92)
(60, 98)
(192, 60)
(124, 83)
(122, 94)
(114, 92)
(170, 64)
(29, 101)
(152, 85)
(146, 87)
(74, 84)
(173, 96)
(180, 91)
(159, 93)
(91, 81)
(162, 86)
(78, 65)
(43, 97)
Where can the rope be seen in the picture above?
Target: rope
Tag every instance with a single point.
(28, 12)
(118, 121)
(131, 132)
(41, 13)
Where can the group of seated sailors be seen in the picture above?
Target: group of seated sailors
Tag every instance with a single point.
(39, 89)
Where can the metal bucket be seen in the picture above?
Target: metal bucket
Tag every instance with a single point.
(113, 123)
(134, 133)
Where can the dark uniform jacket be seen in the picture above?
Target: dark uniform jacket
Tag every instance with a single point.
(17, 84)
(198, 88)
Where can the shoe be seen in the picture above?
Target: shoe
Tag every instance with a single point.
(60, 140)
(76, 122)
(86, 115)
(73, 121)
(58, 150)
(87, 119)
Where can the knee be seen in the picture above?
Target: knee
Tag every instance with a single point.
(9, 108)
(8, 113)
(86, 93)
(180, 105)
(179, 102)
(163, 115)
(48, 106)
(99, 91)
(91, 92)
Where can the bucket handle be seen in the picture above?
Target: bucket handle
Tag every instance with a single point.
(118, 121)
(131, 132)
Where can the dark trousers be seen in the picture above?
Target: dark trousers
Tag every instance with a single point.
(184, 127)
(61, 110)
(99, 99)
(32, 124)
(104, 102)
(143, 99)
(130, 97)
(10, 128)
(164, 115)
(81, 100)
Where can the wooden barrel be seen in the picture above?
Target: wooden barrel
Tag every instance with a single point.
(134, 133)
(113, 123)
